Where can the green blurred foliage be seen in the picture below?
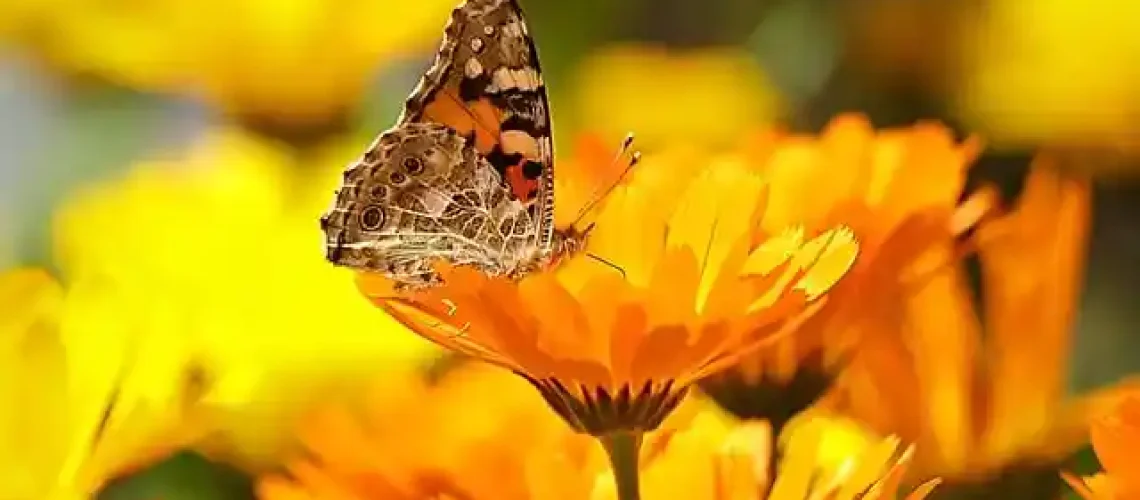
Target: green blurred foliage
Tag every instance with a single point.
(185, 476)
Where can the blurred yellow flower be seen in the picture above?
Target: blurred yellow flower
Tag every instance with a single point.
(85, 396)
(290, 61)
(983, 397)
(833, 458)
(1053, 71)
(897, 189)
(223, 242)
(699, 96)
(1116, 441)
(615, 351)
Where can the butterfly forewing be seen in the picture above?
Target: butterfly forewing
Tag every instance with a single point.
(487, 84)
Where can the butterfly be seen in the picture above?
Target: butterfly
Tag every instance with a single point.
(466, 175)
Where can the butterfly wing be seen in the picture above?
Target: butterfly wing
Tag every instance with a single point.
(421, 194)
(466, 174)
(486, 84)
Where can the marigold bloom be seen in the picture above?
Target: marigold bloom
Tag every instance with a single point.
(84, 399)
(616, 351)
(218, 242)
(897, 189)
(983, 398)
(1116, 441)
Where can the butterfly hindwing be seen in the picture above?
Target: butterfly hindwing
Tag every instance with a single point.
(486, 84)
(422, 193)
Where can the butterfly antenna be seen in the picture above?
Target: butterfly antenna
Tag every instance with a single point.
(609, 264)
(600, 195)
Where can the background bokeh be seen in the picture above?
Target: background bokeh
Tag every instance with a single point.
(286, 90)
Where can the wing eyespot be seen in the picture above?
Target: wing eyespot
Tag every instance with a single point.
(372, 218)
(397, 178)
(413, 165)
(379, 192)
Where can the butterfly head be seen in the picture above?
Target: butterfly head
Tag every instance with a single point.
(568, 243)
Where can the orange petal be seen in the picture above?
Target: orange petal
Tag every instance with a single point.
(826, 258)
(563, 328)
(1116, 439)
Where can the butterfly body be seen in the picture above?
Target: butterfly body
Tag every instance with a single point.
(466, 175)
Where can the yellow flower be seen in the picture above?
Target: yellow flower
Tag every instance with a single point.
(221, 241)
(827, 457)
(980, 406)
(709, 455)
(85, 397)
(1116, 441)
(897, 189)
(700, 96)
(292, 61)
(615, 351)
(1053, 71)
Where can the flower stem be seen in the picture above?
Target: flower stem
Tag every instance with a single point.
(623, 449)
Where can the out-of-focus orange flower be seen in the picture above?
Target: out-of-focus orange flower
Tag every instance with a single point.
(898, 190)
(1116, 441)
(478, 433)
(616, 351)
(481, 433)
(983, 397)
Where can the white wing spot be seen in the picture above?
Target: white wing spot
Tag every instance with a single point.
(518, 79)
(476, 45)
(473, 69)
(517, 141)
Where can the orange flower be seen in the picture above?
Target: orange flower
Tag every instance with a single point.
(482, 434)
(616, 351)
(1115, 439)
(983, 398)
(477, 433)
(897, 189)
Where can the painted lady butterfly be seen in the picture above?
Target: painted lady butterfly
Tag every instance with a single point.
(466, 175)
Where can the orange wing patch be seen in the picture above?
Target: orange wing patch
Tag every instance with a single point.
(522, 187)
(480, 117)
